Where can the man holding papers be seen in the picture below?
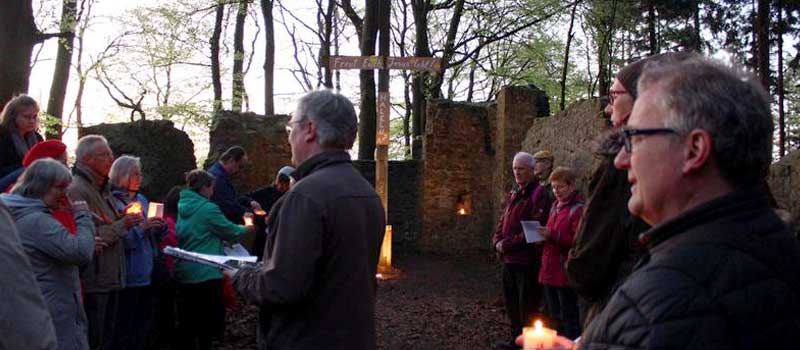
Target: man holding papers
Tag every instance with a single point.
(521, 258)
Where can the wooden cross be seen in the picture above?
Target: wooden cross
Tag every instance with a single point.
(384, 63)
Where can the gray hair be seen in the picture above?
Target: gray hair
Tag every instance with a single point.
(120, 173)
(40, 176)
(726, 102)
(333, 115)
(87, 144)
(526, 158)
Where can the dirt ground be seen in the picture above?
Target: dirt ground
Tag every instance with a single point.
(436, 303)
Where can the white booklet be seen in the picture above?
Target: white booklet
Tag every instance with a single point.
(531, 230)
(230, 263)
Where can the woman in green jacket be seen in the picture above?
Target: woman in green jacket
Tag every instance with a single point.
(201, 228)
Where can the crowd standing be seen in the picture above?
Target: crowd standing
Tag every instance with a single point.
(676, 246)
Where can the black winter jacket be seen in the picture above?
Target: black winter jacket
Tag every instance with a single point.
(724, 275)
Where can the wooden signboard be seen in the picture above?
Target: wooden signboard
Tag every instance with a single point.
(430, 64)
(355, 62)
(384, 110)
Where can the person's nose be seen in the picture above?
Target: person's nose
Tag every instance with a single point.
(622, 160)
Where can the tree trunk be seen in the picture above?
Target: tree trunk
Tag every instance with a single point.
(651, 27)
(269, 58)
(698, 40)
(216, 79)
(367, 109)
(238, 58)
(448, 50)
(564, 70)
(325, 44)
(18, 35)
(762, 40)
(419, 101)
(58, 88)
(781, 113)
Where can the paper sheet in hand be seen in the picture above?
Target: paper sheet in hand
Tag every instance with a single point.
(231, 263)
(531, 229)
(239, 251)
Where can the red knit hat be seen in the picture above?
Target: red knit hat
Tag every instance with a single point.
(44, 149)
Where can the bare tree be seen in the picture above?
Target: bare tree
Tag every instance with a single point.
(238, 57)
(269, 58)
(570, 35)
(58, 88)
(216, 78)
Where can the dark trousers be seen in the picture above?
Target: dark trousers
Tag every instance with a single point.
(134, 318)
(201, 314)
(101, 313)
(523, 295)
(562, 306)
(165, 329)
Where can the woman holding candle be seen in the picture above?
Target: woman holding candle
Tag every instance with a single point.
(136, 300)
(201, 228)
(559, 234)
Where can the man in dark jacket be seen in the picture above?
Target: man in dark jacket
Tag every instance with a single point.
(266, 198)
(521, 260)
(318, 274)
(229, 165)
(721, 270)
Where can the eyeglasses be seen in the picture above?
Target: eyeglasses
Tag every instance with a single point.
(289, 127)
(627, 134)
(613, 94)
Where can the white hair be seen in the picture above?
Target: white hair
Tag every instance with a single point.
(87, 144)
(526, 158)
(121, 170)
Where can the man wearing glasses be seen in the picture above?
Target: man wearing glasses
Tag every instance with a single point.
(720, 270)
(317, 283)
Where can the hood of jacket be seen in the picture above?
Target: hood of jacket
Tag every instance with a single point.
(20, 206)
(190, 203)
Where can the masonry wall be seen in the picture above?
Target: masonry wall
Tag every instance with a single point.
(404, 199)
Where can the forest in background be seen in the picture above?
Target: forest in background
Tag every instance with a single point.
(187, 60)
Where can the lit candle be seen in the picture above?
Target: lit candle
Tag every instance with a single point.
(248, 219)
(538, 337)
(462, 211)
(134, 208)
(260, 212)
(155, 210)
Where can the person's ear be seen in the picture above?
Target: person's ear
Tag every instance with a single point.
(697, 148)
(311, 136)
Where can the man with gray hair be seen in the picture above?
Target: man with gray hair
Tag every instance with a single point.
(721, 270)
(104, 277)
(316, 288)
(529, 201)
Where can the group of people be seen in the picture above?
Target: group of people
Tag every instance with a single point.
(675, 246)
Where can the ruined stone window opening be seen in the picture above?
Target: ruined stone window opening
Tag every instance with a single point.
(464, 204)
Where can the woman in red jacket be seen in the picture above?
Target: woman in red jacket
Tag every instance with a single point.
(562, 224)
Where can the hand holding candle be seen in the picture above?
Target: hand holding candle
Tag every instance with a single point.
(134, 208)
(248, 219)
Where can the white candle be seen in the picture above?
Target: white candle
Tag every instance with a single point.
(155, 210)
(538, 337)
(248, 219)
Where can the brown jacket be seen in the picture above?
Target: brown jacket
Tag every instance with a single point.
(606, 243)
(106, 272)
(318, 274)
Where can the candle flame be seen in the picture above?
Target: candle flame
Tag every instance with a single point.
(260, 212)
(538, 325)
(134, 208)
(462, 211)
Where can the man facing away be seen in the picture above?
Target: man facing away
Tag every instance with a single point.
(318, 276)
(521, 260)
(105, 276)
(721, 270)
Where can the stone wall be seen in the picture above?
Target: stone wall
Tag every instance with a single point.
(784, 181)
(166, 153)
(264, 139)
(467, 154)
(571, 135)
(404, 201)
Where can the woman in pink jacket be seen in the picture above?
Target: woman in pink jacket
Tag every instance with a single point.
(562, 224)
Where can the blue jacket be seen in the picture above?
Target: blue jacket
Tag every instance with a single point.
(140, 245)
(225, 195)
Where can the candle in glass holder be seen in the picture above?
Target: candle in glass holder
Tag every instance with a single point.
(155, 210)
(248, 219)
(538, 337)
(134, 208)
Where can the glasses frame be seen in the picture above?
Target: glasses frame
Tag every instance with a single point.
(288, 127)
(627, 133)
(613, 94)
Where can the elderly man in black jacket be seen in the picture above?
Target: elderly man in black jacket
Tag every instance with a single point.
(721, 270)
(318, 276)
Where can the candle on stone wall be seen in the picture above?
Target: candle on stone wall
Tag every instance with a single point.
(538, 337)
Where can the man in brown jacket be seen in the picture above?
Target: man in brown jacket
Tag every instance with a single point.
(318, 276)
(104, 277)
